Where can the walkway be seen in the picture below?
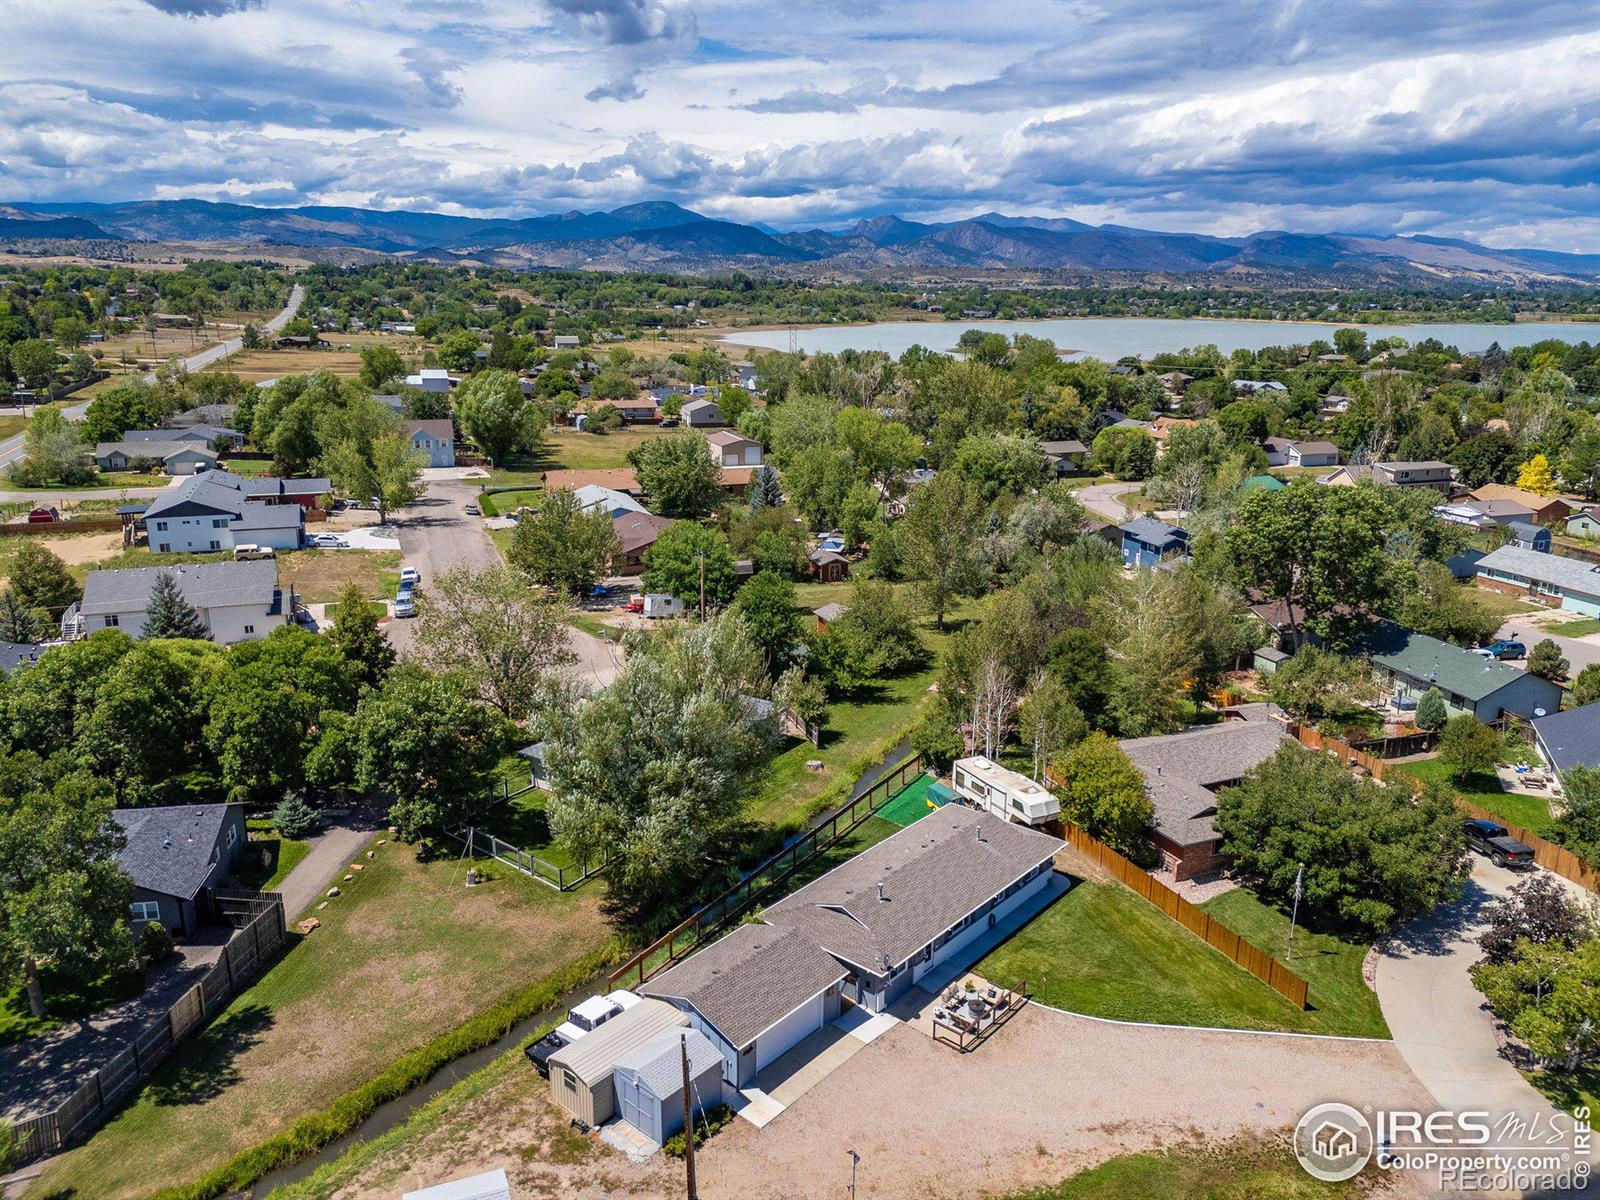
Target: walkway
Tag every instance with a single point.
(331, 853)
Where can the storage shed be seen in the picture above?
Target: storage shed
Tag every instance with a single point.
(649, 1082)
(491, 1185)
(580, 1074)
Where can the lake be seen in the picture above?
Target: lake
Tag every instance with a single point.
(1111, 338)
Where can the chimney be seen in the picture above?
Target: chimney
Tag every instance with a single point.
(1158, 768)
(978, 829)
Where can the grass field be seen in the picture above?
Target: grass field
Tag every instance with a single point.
(1245, 1169)
(1570, 1089)
(521, 821)
(406, 953)
(270, 857)
(1531, 812)
(1105, 952)
(574, 451)
(320, 576)
(1498, 603)
(1579, 628)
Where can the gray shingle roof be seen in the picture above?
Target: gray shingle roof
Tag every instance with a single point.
(1571, 738)
(1428, 660)
(227, 492)
(1152, 532)
(1180, 769)
(204, 585)
(152, 448)
(439, 429)
(269, 516)
(1568, 574)
(170, 848)
(659, 1062)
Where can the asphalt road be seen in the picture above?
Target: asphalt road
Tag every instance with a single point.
(11, 449)
(1578, 654)
(1103, 500)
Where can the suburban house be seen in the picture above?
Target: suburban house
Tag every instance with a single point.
(1436, 475)
(731, 449)
(176, 457)
(700, 413)
(1147, 542)
(1545, 509)
(1410, 663)
(1529, 536)
(213, 437)
(1182, 774)
(174, 855)
(636, 533)
(1250, 387)
(1569, 739)
(867, 931)
(436, 439)
(1482, 514)
(1584, 524)
(238, 601)
(1547, 578)
(643, 409)
(565, 341)
(1162, 427)
(618, 479)
(218, 511)
(591, 496)
(1311, 454)
(1065, 455)
(829, 566)
(432, 379)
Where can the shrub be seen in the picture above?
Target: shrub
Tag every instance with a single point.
(1430, 709)
(706, 1125)
(1545, 661)
(155, 943)
(1468, 747)
(294, 818)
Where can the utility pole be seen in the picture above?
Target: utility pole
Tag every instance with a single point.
(688, 1118)
(854, 1159)
(1294, 913)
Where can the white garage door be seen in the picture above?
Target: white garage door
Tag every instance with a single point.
(782, 1037)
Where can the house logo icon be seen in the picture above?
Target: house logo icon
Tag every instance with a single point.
(1333, 1142)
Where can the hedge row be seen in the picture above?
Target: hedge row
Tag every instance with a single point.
(316, 1130)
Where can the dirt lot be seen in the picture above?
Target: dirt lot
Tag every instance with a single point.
(256, 365)
(1050, 1095)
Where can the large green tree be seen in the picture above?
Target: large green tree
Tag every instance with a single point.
(356, 634)
(41, 580)
(767, 606)
(678, 474)
(496, 414)
(1103, 792)
(169, 614)
(675, 562)
(938, 541)
(563, 547)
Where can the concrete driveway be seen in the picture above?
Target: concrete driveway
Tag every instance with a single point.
(1440, 1022)
(1102, 499)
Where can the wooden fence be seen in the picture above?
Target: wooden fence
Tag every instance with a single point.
(40, 528)
(260, 918)
(1352, 757)
(1196, 920)
(686, 938)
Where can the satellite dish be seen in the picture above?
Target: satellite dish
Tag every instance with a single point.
(1538, 712)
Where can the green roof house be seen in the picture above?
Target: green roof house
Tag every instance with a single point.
(1413, 662)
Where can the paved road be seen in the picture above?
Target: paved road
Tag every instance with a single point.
(11, 450)
(1579, 654)
(436, 534)
(1102, 500)
(1440, 1023)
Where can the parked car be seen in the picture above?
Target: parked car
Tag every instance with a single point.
(410, 577)
(587, 1015)
(1490, 839)
(329, 541)
(539, 1052)
(250, 550)
(473, 510)
(1503, 650)
(404, 605)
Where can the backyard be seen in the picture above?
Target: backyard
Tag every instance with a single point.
(1530, 812)
(406, 953)
(572, 450)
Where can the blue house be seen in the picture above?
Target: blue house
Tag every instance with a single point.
(1529, 536)
(1147, 542)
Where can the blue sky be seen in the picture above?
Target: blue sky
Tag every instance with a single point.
(1471, 119)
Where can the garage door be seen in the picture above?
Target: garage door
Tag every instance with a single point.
(782, 1037)
(636, 1108)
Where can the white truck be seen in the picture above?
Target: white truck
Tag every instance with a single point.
(1005, 793)
(659, 604)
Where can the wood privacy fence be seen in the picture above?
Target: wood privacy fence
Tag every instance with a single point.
(38, 528)
(683, 940)
(1312, 740)
(1196, 920)
(260, 918)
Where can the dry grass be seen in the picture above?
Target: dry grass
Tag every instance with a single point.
(321, 576)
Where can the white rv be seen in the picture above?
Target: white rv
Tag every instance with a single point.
(659, 604)
(993, 788)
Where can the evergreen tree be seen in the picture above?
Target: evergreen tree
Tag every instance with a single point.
(170, 615)
(18, 622)
(357, 636)
(765, 490)
(1431, 710)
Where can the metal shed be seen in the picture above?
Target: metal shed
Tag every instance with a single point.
(580, 1074)
(649, 1082)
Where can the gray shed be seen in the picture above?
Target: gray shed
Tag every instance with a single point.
(580, 1074)
(649, 1082)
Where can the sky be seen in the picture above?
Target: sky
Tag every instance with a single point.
(1475, 118)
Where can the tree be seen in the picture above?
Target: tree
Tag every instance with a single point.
(34, 361)
(425, 742)
(293, 441)
(1440, 607)
(563, 547)
(63, 896)
(1048, 720)
(41, 580)
(145, 730)
(1537, 910)
(1431, 712)
(678, 474)
(1125, 453)
(1578, 826)
(765, 489)
(1102, 792)
(874, 637)
(294, 818)
(1487, 458)
(654, 768)
(19, 623)
(252, 338)
(1535, 476)
(169, 614)
(396, 473)
(1468, 747)
(1545, 660)
(379, 365)
(936, 737)
(458, 350)
(53, 453)
(367, 652)
(881, 450)
(938, 539)
(1351, 342)
(995, 466)
(673, 564)
(1317, 685)
(1154, 653)
(496, 414)
(1586, 687)
(1549, 994)
(500, 637)
(1373, 856)
(766, 605)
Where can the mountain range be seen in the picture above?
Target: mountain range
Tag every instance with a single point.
(659, 235)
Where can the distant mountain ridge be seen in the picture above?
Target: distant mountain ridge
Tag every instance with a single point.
(666, 236)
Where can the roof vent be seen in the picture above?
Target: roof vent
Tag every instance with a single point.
(882, 899)
(978, 829)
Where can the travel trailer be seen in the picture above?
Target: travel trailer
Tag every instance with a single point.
(1005, 793)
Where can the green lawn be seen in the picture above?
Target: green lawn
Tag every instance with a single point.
(1240, 1170)
(521, 821)
(574, 451)
(1570, 1089)
(1531, 812)
(1103, 951)
(1331, 965)
(1498, 603)
(251, 466)
(506, 503)
(1579, 628)
(65, 1000)
(406, 953)
(282, 855)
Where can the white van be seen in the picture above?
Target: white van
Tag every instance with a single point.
(1005, 793)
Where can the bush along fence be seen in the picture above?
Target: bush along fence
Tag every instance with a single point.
(717, 913)
(261, 932)
(1196, 920)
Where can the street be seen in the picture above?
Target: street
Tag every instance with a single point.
(1579, 654)
(11, 449)
(1103, 500)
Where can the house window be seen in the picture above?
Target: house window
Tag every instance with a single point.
(571, 1080)
(112, 620)
(216, 545)
(161, 526)
(145, 910)
(219, 522)
(249, 628)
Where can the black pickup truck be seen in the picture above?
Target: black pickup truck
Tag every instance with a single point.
(1492, 840)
